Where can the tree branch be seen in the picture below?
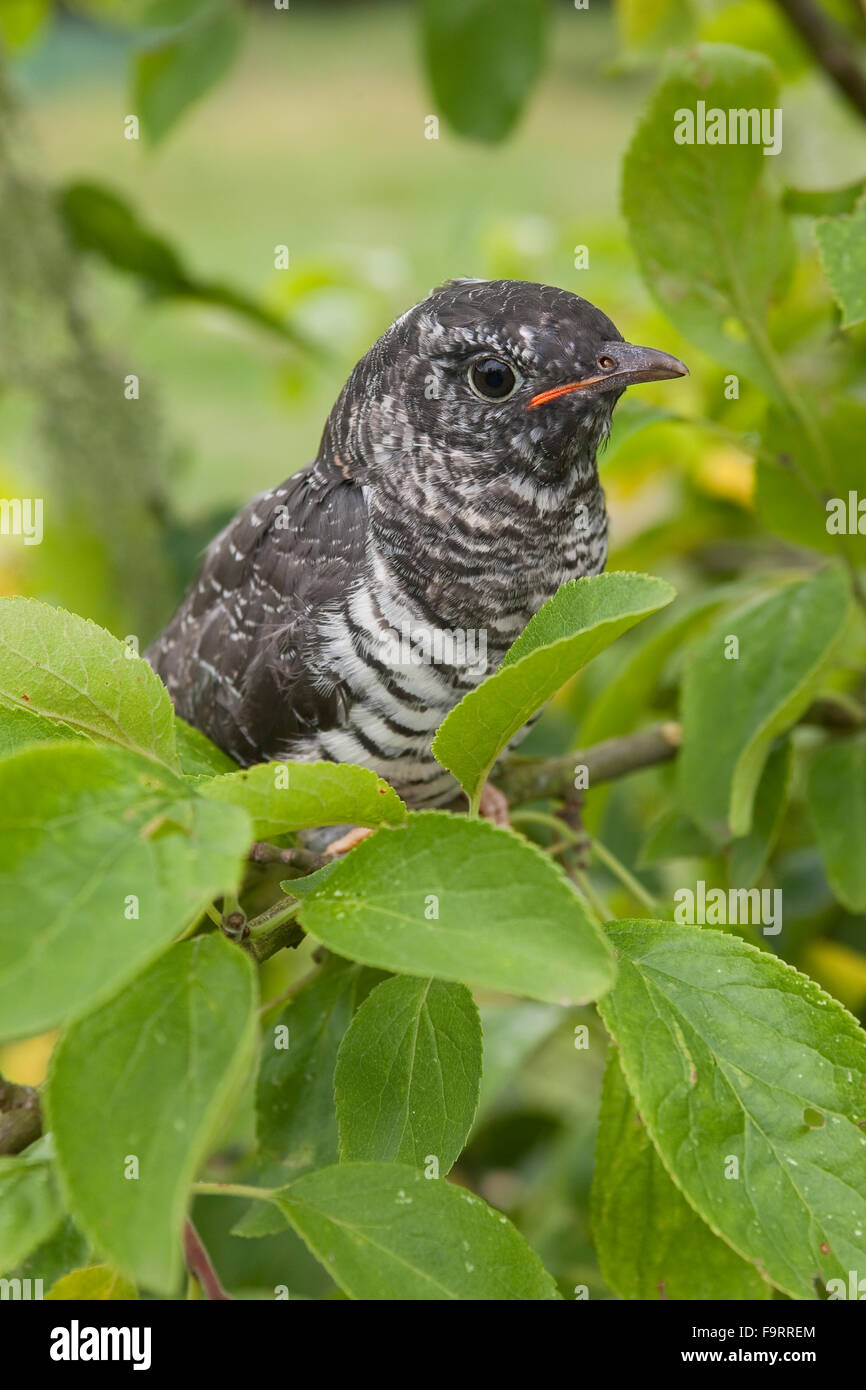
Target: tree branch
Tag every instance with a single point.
(830, 46)
(199, 1264)
(524, 779)
(303, 859)
(20, 1116)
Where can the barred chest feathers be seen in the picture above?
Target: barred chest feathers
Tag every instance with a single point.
(408, 655)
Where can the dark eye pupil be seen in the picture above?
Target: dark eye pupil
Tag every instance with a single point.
(492, 378)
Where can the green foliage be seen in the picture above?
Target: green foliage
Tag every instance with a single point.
(164, 1059)
(583, 618)
(483, 58)
(55, 664)
(128, 857)
(97, 220)
(385, 1232)
(651, 1244)
(734, 705)
(837, 800)
(517, 924)
(30, 1207)
(727, 1051)
(280, 797)
(296, 1119)
(716, 265)
(95, 1284)
(843, 250)
(178, 70)
(408, 1074)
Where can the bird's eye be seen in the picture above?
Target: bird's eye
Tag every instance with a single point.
(607, 364)
(492, 379)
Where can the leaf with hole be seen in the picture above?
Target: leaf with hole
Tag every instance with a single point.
(105, 856)
(729, 1052)
(651, 1244)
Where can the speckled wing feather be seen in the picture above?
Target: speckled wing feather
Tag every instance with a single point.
(240, 656)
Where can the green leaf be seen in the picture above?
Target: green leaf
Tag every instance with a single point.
(62, 667)
(104, 858)
(30, 1206)
(384, 1232)
(136, 1092)
(734, 707)
(408, 1074)
(837, 801)
(712, 244)
(674, 836)
(824, 202)
(177, 71)
(725, 1049)
(788, 506)
(483, 57)
(651, 1244)
(198, 756)
(405, 900)
(759, 26)
(99, 221)
(95, 1283)
(19, 730)
(64, 1250)
(842, 242)
(581, 619)
(749, 854)
(296, 1119)
(624, 698)
(294, 796)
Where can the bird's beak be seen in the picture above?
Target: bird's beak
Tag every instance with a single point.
(630, 365)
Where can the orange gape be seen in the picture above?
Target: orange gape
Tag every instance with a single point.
(544, 396)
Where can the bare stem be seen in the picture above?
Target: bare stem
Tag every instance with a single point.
(198, 1262)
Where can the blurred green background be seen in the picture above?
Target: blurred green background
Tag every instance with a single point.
(315, 139)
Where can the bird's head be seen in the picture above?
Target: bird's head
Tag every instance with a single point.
(486, 377)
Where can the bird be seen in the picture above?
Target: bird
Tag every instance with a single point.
(455, 489)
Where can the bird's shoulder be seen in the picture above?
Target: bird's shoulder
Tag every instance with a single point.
(238, 655)
(305, 534)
